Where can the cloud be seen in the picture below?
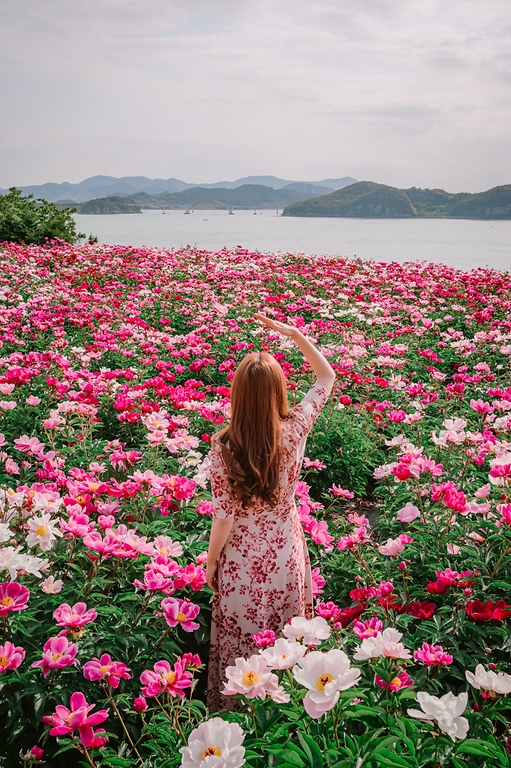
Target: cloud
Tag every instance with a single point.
(404, 93)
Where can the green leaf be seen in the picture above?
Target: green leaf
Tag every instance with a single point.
(312, 750)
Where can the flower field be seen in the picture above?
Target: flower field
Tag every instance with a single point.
(115, 366)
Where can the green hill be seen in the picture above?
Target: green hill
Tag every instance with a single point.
(365, 199)
(245, 196)
(114, 204)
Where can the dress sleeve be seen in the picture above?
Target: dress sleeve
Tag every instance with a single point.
(220, 491)
(308, 410)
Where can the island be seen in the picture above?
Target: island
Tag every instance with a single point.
(366, 199)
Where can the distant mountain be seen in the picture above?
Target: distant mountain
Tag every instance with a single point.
(245, 196)
(365, 199)
(108, 186)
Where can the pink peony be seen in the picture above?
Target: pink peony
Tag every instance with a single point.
(58, 653)
(155, 582)
(433, 655)
(51, 586)
(392, 547)
(139, 704)
(191, 575)
(399, 681)
(328, 610)
(264, 639)
(74, 617)
(11, 656)
(65, 721)
(368, 628)
(408, 513)
(13, 597)
(336, 490)
(204, 508)
(180, 612)
(106, 669)
(164, 678)
(318, 582)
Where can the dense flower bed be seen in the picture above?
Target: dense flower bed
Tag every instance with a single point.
(114, 373)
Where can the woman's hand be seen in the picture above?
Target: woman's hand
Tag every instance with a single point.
(212, 576)
(282, 328)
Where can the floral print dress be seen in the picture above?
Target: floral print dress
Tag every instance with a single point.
(264, 574)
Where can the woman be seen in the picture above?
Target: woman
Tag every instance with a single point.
(258, 564)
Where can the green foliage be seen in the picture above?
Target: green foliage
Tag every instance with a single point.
(25, 220)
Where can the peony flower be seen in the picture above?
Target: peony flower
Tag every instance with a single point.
(479, 611)
(106, 669)
(368, 628)
(324, 675)
(52, 586)
(284, 654)
(13, 597)
(386, 643)
(65, 721)
(433, 655)
(421, 610)
(265, 638)
(165, 678)
(180, 612)
(250, 677)
(139, 704)
(307, 631)
(391, 548)
(216, 743)
(328, 610)
(58, 653)
(488, 681)
(446, 710)
(11, 656)
(165, 546)
(13, 560)
(401, 680)
(5, 532)
(408, 513)
(155, 582)
(318, 582)
(74, 617)
(42, 531)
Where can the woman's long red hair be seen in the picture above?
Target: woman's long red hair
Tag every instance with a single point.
(252, 443)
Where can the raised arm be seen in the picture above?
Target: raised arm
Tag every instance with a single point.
(325, 374)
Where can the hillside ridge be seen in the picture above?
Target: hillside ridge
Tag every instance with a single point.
(367, 199)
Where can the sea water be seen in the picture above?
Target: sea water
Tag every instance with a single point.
(462, 243)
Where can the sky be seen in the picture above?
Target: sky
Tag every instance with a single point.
(402, 92)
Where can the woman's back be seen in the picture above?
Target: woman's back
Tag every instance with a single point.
(264, 575)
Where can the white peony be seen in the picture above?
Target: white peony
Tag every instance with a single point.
(13, 560)
(308, 631)
(491, 682)
(42, 531)
(283, 654)
(214, 744)
(324, 674)
(446, 710)
(386, 643)
(250, 677)
(5, 532)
